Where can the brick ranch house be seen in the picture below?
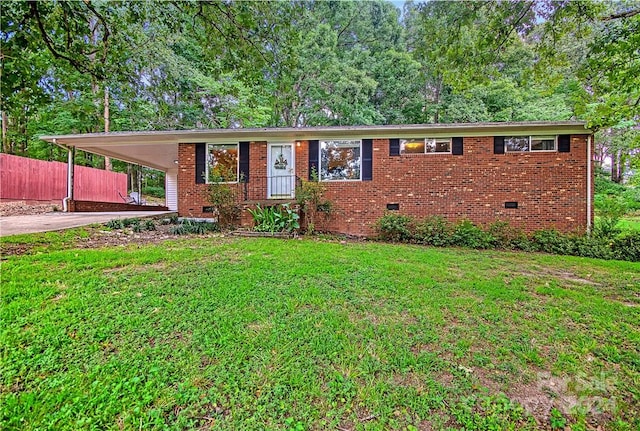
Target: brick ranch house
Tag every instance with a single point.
(532, 174)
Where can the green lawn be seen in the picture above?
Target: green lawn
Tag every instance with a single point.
(630, 223)
(306, 335)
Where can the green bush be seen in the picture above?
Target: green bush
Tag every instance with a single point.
(627, 246)
(591, 246)
(279, 218)
(437, 231)
(631, 197)
(223, 198)
(433, 230)
(603, 185)
(156, 192)
(509, 238)
(187, 227)
(466, 234)
(552, 241)
(115, 224)
(311, 200)
(610, 210)
(136, 224)
(395, 228)
(122, 223)
(604, 188)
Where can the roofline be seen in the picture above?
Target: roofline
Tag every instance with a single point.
(384, 131)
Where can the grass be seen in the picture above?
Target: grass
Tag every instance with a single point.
(48, 241)
(630, 223)
(295, 335)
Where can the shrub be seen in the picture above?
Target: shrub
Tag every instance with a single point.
(395, 227)
(610, 210)
(279, 218)
(627, 246)
(631, 197)
(434, 230)
(591, 246)
(507, 237)
(439, 232)
(223, 199)
(187, 227)
(466, 234)
(552, 241)
(311, 200)
(604, 185)
(156, 192)
(122, 223)
(136, 224)
(115, 224)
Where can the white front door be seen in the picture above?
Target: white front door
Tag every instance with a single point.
(281, 181)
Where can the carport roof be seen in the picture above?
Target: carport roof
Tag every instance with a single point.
(159, 149)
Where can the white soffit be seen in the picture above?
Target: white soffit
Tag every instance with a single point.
(159, 149)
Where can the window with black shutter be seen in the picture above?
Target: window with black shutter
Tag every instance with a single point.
(498, 145)
(456, 146)
(314, 164)
(244, 162)
(367, 159)
(201, 163)
(394, 147)
(564, 144)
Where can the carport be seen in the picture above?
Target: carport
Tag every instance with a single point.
(155, 150)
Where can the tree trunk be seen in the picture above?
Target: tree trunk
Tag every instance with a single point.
(5, 143)
(617, 167)
(107, 160)
(436, 115)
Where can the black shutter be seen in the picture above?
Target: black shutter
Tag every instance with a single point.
(201, 161)
(564, 144)
(456, 146)
(244, 162)
(313, 158)
(367, 159)
(394, 147)
(498, 145)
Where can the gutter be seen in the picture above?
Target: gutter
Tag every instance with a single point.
(589, 184)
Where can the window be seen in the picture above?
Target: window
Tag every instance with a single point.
(543, 143)
(222, 163)
(530, 143)
(340, 160)
(425, 146)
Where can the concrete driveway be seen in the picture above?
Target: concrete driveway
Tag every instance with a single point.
(13, 225)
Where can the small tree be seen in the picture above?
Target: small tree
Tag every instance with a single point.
(610, 209)
(310, 198)
(223, 198)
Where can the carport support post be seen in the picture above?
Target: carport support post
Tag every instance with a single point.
(71, 152)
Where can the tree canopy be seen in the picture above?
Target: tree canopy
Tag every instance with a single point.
(186, 64)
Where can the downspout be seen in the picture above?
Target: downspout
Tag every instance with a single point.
(589, 184)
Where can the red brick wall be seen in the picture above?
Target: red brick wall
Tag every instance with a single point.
(192, 197)
(92, 207)
(550, 187)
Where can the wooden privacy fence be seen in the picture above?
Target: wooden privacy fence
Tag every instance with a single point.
(22, 178)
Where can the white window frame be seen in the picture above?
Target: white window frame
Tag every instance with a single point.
(425, 152)
(207, 164)
(531, 138)
(359, 141)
